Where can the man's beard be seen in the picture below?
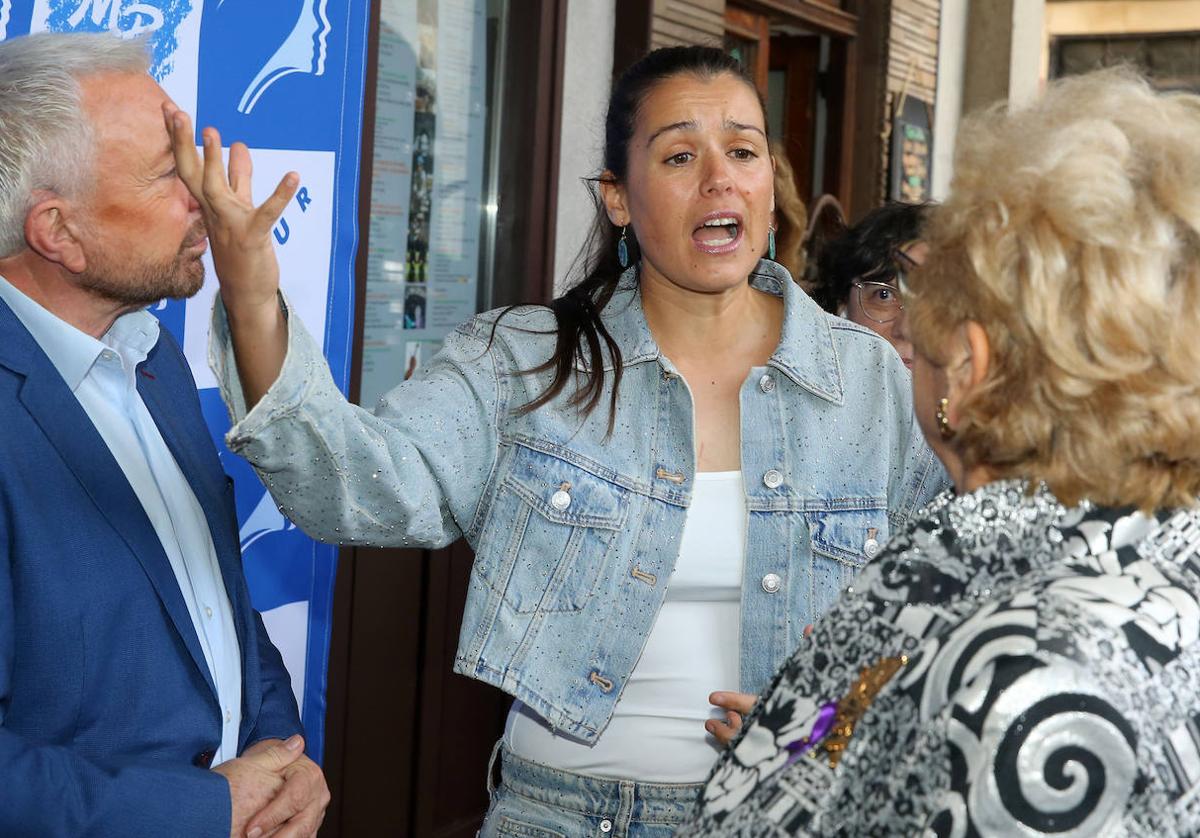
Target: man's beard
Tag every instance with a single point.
(126, 280)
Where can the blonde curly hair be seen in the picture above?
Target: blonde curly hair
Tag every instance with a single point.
(1072, 236)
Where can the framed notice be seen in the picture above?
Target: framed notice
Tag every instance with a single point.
(427, 186)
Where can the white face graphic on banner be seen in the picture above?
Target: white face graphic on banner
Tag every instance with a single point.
(302, 51)
(173, 30)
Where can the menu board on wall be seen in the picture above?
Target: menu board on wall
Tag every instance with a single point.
(911, 153)
(426, 192)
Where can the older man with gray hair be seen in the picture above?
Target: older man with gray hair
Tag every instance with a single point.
(139, 692)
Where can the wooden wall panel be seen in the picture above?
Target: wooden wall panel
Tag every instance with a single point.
(911, 66)
(897, 48)
(688, 22)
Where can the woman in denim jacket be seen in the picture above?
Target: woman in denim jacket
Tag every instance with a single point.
(572, 446)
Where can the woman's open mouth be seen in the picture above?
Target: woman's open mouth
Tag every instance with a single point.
(720, 232)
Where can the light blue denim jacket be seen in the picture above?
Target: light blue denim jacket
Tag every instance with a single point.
(576, 533)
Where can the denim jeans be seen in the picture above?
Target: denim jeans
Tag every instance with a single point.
(537, 801)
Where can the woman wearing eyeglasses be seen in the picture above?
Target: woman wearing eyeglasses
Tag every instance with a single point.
(856, 272)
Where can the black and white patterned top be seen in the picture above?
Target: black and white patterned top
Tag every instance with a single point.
(1025, 669)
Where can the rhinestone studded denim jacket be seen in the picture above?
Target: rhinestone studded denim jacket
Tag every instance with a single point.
(576, 532)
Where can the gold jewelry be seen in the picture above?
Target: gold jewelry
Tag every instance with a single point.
(854, 705)
(943, 421)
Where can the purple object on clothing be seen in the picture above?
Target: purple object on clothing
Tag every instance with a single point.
(820, 729)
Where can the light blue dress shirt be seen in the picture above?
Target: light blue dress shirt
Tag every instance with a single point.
(102, 375)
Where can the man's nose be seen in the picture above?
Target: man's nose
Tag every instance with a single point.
(192, 204)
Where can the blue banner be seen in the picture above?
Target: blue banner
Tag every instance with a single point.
(286, 77)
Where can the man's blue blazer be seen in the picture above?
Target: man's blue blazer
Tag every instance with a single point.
(108, 714)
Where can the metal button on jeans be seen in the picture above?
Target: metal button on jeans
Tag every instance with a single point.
(766, 383)
(771, 583)
(773, 479)
(560, 500)
(871, 548)
(606, 825)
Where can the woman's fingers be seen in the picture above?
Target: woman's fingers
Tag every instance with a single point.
(217, 191)
(738, 702)
(736, 706)
(183, 146)
(216, 186)
(241, 172)
(725, 730)
(267, 214)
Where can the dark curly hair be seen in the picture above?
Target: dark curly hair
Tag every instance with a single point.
(865, 251)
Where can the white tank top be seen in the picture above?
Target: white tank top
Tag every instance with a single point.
(657, 729)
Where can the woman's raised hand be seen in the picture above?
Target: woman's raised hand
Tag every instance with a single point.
(239, 234)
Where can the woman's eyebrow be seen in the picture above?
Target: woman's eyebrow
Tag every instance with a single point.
(686, 125)
(731, 125)
(692, 125)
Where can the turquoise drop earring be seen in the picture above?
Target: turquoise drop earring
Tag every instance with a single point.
(623, 250)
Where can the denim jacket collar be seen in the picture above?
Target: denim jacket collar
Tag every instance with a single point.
(805, 354)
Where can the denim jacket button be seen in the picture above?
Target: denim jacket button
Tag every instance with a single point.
(771, 583)
(773, 479)
(766, 384)
(560, 500)
(606, 825)
(871, 548)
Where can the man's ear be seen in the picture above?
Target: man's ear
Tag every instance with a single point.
(967, 373)
(52, 231)
(612, 192)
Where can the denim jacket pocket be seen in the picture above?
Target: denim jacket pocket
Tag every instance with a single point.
(563, 519)
(843, 541)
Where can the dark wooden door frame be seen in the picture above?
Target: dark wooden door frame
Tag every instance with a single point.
(633, 32)
(798, 58)
(751, 25)
(870, 63)
(817, 16)
(531, 130)
(841, 25)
